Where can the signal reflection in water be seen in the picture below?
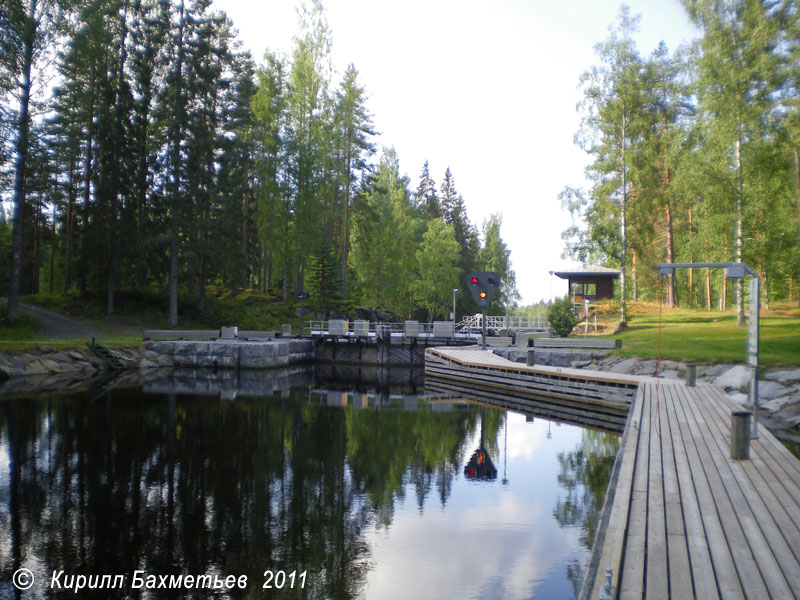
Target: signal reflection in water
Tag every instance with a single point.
(527, 535)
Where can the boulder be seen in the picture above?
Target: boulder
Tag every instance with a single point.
(741, 398)
(735, 378)
(777, 405)
(627, 366)
(671, 374)
(768, 390)
(784, 376)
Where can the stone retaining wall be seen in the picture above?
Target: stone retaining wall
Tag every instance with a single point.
(234, 354)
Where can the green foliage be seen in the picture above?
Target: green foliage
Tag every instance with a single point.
(494, 256)
(437, 261)
(692, 156)
(562, 318)
(173, 161)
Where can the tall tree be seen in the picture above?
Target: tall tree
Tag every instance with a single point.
(438, 268)
(495, 256)
(425, 195)
(737, 69)
(354, 128)
(27, 31)
(612, 104)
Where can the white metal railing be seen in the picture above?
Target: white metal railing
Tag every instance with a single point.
(356, 328)
(503, 323)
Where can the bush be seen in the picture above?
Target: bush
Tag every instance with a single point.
(561, 317)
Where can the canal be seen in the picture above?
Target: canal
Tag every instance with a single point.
(317, 490)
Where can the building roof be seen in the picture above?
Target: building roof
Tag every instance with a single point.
(583, 270)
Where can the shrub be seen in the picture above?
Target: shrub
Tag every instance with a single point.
(561, 317)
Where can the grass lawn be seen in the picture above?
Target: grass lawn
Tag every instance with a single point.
(710, 336)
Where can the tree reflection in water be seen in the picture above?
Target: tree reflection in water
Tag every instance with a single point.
(584, 474)
(173, 484)
(176, 484)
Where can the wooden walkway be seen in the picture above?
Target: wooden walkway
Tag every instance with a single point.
(689, 522)
(682, 519)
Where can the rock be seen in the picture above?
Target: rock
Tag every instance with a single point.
(627, 366)
(778, 404)
(671, 374)
(736, 378)
(712, 371)
(671, 365)
(580, 364)
(784, 376)
(769, 390)
(647, 368)
(740, 398)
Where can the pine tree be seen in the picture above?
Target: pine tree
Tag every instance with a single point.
(426, 197)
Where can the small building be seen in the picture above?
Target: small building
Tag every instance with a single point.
(589, 282)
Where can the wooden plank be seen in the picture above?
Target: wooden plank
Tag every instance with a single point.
(736, 531)
(713, 536)
(611, 555)
(755, 524)
(609, 398)
(776, 550)
(485, 358)
(696, 572)
(633, 560)
(772, 488)
(606, 344)
(657, 570)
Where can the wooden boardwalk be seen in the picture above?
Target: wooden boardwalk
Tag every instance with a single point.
(686, 521)
(682, 519)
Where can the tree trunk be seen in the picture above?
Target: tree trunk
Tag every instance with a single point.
(739, 231)
(53, 248)
(633, 276)
(797, 195)
(623, 283)
(20, 162)
(175, 180)
(691, 260)
(83, 273)
(672, 289)
(68, 225)
(117, 162)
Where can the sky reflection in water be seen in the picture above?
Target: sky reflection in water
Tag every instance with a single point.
(372, 502)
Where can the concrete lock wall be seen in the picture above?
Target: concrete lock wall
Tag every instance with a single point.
(232, 355)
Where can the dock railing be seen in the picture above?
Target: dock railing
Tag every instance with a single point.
(408, 329)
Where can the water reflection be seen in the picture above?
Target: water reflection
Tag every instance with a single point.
(367, 491)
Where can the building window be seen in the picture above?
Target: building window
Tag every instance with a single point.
(584, 289)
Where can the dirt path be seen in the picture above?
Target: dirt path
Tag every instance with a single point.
(55, 325)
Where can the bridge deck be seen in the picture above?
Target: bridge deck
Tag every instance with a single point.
(685, 520)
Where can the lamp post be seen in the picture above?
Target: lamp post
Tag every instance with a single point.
(454, 309)
(507, 287)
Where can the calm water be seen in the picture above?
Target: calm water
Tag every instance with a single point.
(349, 494)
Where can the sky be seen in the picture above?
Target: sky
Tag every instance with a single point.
(488, 88)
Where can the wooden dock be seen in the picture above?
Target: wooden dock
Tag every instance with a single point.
(683, 520)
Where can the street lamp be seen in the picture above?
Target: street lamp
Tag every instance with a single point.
(508, 287)
(454, 309)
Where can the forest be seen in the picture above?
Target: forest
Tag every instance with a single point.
(694, 156)
(144, 149)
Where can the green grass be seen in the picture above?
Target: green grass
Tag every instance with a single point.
(710, 336)
(138, 310)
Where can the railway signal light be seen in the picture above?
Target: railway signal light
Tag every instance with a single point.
(483, 286)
